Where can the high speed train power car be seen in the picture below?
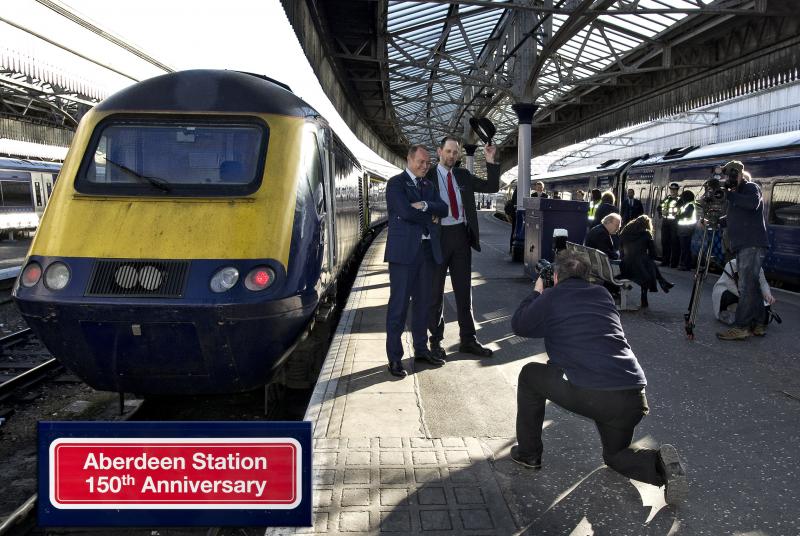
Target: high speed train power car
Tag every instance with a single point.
(199, 221)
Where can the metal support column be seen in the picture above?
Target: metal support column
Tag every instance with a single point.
(470, 148)
(525, 113)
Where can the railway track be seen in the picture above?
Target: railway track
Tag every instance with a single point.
(24, 362)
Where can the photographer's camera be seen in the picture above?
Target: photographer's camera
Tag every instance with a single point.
(546, 271)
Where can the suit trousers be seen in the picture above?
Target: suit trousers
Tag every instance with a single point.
(615, 413)
(457, 258)
(670, 246)
(409, 281)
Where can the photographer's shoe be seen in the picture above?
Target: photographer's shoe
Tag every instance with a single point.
(734, 334)
(759, 330)
(676, 484)
(531, 462)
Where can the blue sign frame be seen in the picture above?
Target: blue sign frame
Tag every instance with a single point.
(50, 516)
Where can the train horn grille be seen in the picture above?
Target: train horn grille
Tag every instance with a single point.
(138, 278)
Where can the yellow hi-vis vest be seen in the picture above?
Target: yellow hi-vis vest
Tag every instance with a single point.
(669, 208)
(592, 208)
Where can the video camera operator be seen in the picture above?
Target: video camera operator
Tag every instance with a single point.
(595, 375)
(747, 235)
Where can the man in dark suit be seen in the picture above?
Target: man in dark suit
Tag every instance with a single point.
(459, 234)
(599, 236)
(412, 251)
(631, 207)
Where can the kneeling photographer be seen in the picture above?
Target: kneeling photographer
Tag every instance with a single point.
(747, 235)
(595, 375)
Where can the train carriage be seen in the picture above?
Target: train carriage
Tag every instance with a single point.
(25, 188)
(200, 219)
(772, 160)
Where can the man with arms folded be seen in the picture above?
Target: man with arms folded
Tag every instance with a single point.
(595, 375)
(412, 251)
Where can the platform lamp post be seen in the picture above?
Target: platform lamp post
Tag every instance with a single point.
(470, 149)
(525, 113)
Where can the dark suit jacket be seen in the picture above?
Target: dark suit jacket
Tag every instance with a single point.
(407, 224)
(469, 184)
(631, 212)
(599, 238)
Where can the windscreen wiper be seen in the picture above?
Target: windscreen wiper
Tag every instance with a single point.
(161, 184)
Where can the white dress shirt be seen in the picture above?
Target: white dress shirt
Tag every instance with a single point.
(442, 172)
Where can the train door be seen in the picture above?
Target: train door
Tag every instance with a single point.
(314, 168)
(329, 183)
(39, 192)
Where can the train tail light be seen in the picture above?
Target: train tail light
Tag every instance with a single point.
(259, 278)
(31, 274)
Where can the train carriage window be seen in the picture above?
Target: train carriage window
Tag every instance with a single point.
(210, 156)
(785, 204)
(16, 193)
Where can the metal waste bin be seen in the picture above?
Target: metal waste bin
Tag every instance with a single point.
(542, 216)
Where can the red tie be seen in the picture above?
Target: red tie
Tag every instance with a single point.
(451, 193)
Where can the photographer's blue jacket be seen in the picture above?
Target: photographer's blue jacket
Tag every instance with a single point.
(582, 334)
(745, 218)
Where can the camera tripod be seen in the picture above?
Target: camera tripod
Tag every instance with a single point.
(704, 256)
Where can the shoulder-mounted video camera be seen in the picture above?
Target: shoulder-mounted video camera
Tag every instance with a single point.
(713, 200)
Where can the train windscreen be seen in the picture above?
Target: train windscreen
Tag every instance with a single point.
(179, 157)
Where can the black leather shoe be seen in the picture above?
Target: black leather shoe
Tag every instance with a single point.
(396, 368)
(430, 358)
(438, 351)
(665, 285)
(475, 348)
(530, 462)
(676, 484)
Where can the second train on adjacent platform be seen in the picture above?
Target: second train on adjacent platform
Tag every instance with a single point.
(773, 161)
(200, 220)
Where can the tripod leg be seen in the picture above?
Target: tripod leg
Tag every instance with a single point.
(703, 264)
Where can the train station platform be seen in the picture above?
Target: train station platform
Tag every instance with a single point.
(429, 454)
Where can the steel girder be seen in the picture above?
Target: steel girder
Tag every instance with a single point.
(415, 71)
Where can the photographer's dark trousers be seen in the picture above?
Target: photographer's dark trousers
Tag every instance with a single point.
(750, 310)
(616, 414)
(457, 258)
(670, 246)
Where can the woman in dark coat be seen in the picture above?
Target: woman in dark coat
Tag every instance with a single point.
(638, 257)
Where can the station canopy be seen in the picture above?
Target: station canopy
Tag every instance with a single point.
(591, 66)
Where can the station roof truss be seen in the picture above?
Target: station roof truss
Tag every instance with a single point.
(417, 71)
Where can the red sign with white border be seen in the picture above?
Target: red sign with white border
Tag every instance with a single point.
(175, 473)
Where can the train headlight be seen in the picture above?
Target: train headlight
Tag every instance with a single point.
(224, 279)
(31, 274)
(56, 276)
(126, 276)
(259, 278)
(150, 277)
